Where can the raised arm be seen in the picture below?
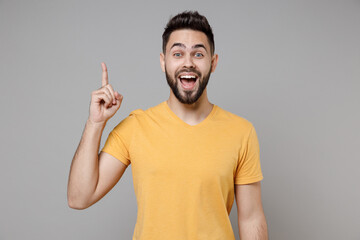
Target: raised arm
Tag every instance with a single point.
(251, 218)
(92, 174)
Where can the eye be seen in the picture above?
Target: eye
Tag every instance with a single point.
(177, 54)
(198, 54)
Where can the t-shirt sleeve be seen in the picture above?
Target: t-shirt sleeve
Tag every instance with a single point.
(119, 140)
(248, 169)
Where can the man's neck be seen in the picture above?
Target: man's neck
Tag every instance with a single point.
(191, 114)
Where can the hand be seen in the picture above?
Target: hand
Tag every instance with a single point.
(104, 101)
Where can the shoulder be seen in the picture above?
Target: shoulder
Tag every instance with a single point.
(129, 121)
(150, 114)
(140, 115)
(234, 120)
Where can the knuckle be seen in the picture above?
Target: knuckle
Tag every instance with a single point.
(112, 91)
(109, 88)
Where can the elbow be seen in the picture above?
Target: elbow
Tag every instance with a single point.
(258, 219)
(77, 204)
(255, 228)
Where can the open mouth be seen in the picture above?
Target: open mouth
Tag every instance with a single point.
(188, 80)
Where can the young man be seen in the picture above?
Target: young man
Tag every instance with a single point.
(189, 157)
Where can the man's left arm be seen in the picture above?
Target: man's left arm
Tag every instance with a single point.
(251, 217)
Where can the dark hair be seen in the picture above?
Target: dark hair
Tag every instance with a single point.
(188, 20)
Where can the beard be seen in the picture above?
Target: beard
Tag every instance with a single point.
(188, 96)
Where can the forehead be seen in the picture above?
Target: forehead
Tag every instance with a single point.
(189, 38)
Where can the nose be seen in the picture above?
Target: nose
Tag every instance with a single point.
(188, 62)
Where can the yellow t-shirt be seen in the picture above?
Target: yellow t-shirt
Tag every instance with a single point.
(184, 175)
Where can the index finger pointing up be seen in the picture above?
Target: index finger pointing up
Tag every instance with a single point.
(104, 80)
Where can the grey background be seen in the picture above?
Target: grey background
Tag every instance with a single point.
(290, 67)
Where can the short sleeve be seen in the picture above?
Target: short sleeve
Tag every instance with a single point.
(118, 142)
(248, 169)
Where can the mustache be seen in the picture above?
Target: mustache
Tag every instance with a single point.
(188, 70)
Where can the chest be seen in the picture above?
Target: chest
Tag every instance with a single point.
(189, 156)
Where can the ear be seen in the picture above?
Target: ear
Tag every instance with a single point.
(214, 62)
(162, 61)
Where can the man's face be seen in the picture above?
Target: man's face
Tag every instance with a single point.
(187, 64)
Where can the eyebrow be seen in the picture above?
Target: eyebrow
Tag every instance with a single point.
(200, 45)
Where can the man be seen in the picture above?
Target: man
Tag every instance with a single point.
(189, 157)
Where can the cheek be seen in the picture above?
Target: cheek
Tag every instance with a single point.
(205, 68)
(170, 67)
(203, 64)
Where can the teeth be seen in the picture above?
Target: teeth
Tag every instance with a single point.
(187, 76)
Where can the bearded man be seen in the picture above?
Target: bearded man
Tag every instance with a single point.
(190, 158)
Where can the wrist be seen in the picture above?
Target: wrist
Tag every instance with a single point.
(93, 124)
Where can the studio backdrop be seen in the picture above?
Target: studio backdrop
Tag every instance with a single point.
(292, 68)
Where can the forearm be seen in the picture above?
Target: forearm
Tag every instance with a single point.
(253, 229)
(84, 171)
